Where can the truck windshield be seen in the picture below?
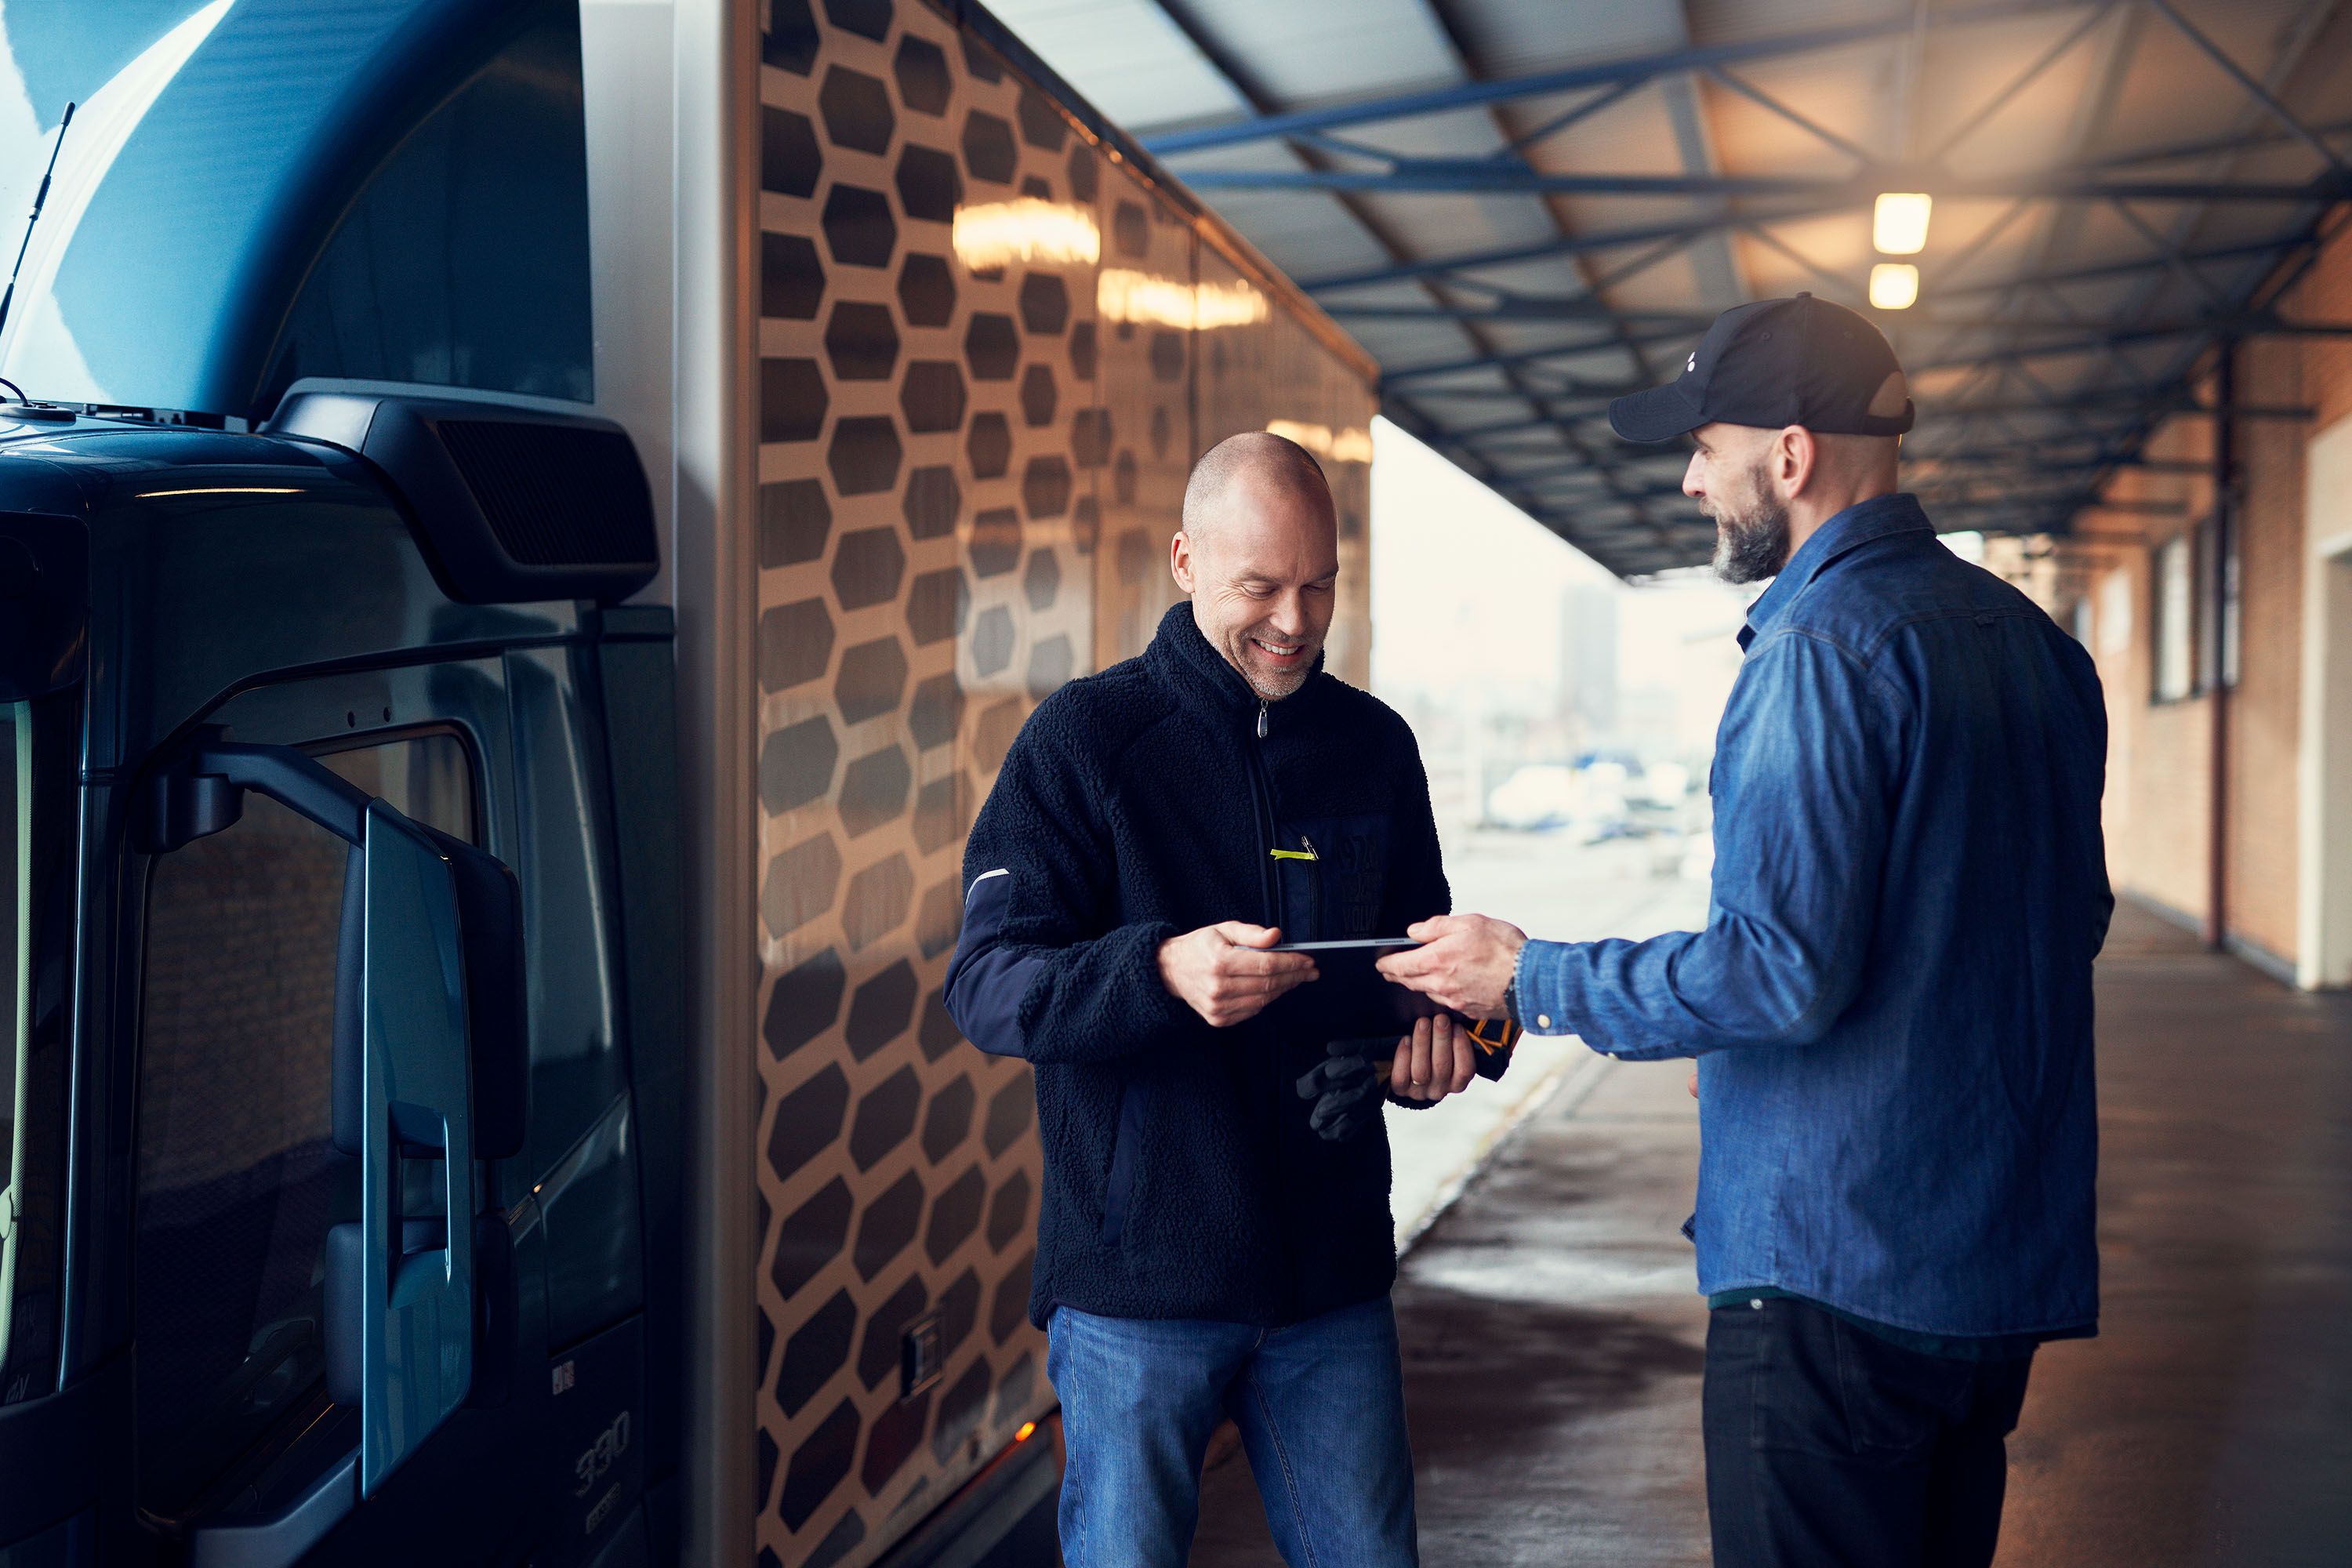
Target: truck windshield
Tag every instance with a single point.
(16, 967)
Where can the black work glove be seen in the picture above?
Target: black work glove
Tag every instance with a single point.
(1346, 1091)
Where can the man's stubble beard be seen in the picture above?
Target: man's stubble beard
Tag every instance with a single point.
(1752, 545)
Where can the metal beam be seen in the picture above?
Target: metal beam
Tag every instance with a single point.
(1481, 177)
(1574, 78)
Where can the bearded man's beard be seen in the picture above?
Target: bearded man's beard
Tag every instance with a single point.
(1753, 543)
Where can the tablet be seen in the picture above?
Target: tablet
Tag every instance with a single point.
(1350, 998)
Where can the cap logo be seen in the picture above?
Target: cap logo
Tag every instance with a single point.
(1691, 363)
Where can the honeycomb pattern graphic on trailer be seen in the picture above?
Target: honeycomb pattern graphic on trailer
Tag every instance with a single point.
(987, 356)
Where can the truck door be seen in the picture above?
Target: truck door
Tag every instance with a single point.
(244, 1451)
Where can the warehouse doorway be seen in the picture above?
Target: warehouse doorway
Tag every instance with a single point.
(2324, 955)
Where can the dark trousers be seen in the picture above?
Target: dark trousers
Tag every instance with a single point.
(1829, 1447)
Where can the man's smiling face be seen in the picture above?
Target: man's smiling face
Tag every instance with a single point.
(1263, 576)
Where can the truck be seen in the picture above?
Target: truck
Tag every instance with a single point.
(526, 529)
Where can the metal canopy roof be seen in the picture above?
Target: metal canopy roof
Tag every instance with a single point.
(1524, 208)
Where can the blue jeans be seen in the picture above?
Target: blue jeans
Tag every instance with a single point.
(1320, 1405)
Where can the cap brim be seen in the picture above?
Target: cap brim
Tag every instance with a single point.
(1661, 414)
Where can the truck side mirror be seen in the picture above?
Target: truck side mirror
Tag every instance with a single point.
(429, 1066)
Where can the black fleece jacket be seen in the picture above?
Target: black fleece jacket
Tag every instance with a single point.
(1181, 1177)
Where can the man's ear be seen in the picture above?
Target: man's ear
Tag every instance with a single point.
(1180, 560)
(1794, 453)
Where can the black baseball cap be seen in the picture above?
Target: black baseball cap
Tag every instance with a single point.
(1770, 363)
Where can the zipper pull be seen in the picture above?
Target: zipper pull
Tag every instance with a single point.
(1261, 720)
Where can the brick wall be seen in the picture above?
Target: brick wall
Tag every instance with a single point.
(2160, 759)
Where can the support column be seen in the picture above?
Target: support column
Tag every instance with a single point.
(2216, 662)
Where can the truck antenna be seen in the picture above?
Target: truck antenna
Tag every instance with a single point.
(41, 198)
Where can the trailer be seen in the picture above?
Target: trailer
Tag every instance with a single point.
(526, 529)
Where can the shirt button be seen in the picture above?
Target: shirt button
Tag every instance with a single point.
(1543, 1020)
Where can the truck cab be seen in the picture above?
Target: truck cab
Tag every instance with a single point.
(341, 1021)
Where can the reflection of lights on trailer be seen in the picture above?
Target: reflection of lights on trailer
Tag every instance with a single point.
(1124, 295)
(224, 491)
(1026, 228)
(1347, 444)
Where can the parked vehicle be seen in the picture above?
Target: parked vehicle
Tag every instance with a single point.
(492, 689)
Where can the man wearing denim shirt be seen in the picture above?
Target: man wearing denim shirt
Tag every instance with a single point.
(1891, 1001)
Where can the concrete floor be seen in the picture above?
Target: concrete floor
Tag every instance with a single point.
(1552, 1340)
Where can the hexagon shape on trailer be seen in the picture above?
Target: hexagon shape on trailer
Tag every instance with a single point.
(928, 186)
(926, 292)
(1042, 580)
(992, 346)
(1051, 662)
(791, 278)
(804, 1002)
(795, 520)
(1042, 125)
(1038, 397)
(819, 1464)
(961, 1408)
(991, 640)
(866, 18)
(858, 227)
(1090, 438)
(790, 160)
(1008, 1212)
(816, 1350)
(800, 884)
(1084, 174)
(955, 1215)
(868, 566)
(796, 764)
(864, 455)
(792, 400)
(860, 341)
(936, 710)
(874, 789)
(887, 1226)
(790, 40)
(988, 150)
(856, 110)
(884, 1119)
(795, 642)
(1010, 1309)
(932, 398)
(1044, 303)
(942, 807)
(993, 736)
(1046, 486)
(807, 1120)
(995, 546)
(922, 67)
(1009, 1112)
(1082, 351)
(988, 445)
(931, 501)
(873, 678)
(936, 606)
(1130, 229)
(949, 1119)
(882, 1008)
(938, 918)
(936, 1032)
(811, 1237)
(959, 1311)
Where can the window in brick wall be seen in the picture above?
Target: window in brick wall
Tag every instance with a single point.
(2176, 618)
(2232, 622)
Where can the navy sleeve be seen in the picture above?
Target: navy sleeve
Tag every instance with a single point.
(1044, 969)
(1807, 766)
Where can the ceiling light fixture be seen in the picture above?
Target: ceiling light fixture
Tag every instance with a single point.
(1898, 225)
(1893, 285)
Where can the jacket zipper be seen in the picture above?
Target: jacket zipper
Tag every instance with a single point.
(1270, 876)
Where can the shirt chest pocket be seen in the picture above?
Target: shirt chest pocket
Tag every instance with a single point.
(1334, 874)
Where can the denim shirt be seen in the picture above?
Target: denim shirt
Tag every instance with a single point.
(1891, 1001)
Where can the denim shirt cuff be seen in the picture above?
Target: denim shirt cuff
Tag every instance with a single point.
(1515, 996)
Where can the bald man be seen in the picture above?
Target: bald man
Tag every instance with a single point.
(1214, 1237)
